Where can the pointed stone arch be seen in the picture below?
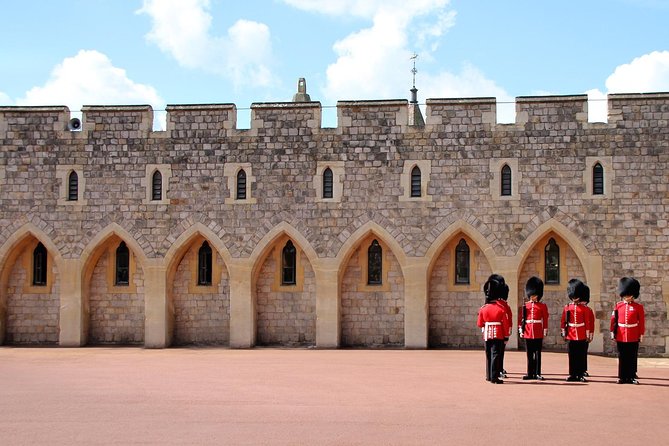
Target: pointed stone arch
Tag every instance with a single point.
(372, 313)
(106, 226)
(132, 310)
(370, 219)
(10, 251)
(469, 223)
(452, 305)
(197, 313)
(285, 312)
(586, 260)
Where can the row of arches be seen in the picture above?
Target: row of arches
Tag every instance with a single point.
(371, 294)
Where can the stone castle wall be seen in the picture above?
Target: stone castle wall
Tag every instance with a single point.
(551, 148)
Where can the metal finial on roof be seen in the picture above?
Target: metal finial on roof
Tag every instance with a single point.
(414, 70)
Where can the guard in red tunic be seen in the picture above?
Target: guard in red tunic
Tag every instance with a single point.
(533, 326)
(503, 297)
(577, 327)
(628, 325)
(494, 324)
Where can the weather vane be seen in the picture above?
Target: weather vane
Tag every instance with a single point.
(413, 70)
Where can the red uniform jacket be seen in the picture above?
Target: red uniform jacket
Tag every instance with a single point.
(509, 314)
(536, 320)
(494, 321)
(631, 321)
(581, 323)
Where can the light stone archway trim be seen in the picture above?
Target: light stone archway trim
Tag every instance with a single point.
(9, 252)
(170, 263)
(591, 263)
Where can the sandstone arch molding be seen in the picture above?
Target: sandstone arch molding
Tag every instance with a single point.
(451, 307)
(9, 253)
(89, 259)
(260, 291)
(167, 311)
(385, 319)
(590, 262)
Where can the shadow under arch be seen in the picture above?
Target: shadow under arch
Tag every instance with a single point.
(173, 258)
(455, 228)
(591, 264)
(349, 247)
(10, 251)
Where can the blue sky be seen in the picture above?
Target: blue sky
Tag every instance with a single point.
(158, 52)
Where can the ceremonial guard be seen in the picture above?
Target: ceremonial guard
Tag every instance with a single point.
(533, 326)
(503, 298)
(577, 328)
(628, 325)
(495, 324)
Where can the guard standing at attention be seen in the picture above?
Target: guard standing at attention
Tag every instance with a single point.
(494, 324)
(628, 325)
(533, 326)
(577, 328)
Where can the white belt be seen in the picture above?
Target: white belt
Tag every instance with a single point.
(627, 325)
(493, 323)
(576, 325)
(534, 321)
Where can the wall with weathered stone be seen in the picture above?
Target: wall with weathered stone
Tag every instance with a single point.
(623, 232)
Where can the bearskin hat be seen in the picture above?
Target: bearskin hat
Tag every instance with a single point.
(578, 290)
(504, 292)
(534, 287)
(494, 288)
(629, 286)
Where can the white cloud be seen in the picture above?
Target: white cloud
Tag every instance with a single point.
(89, 78)
(374, 62)
(4, 99)
(648, 73)
(645, 74)
(182, 29)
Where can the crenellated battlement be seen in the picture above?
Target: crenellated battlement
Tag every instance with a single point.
(303, 118)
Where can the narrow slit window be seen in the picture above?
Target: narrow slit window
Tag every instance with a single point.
(289, 264)
(597, 179)
(122, 276)
(552, 263)
(327, 183)
(73, 187)
(506, 181)
(39, 265)
(157, 186)
(415, 182)
(374, 264)
(204, 265)
(241, 185)
(462, 257)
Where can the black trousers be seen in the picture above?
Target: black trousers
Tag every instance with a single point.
(493, 359)
(578, 353)
(628, 352)
(533, 349)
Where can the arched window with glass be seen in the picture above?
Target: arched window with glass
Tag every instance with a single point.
(328, 183)
(597, 179)
(157, 186)
(241, 185)
(73, 186)
(374, 263)
(39, 265)
(462, 258)
(122, 266)
(552, 263)
(506, 181)
(289, 264)
(415, 182)
(204, 265)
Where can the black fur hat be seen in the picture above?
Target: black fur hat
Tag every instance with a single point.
(629, 286)
(494, 288)
(504, 292)
(578, 290)
(534, 287)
